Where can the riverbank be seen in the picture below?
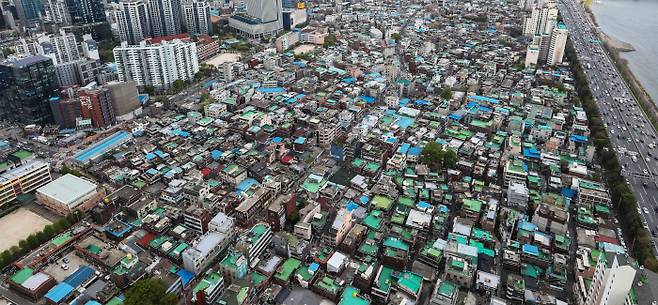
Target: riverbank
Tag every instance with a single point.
(614, 48)
(617, 44)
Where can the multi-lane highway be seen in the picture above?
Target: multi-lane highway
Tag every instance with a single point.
(631, 133)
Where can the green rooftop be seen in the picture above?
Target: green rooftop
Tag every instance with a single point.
(373, 220)
(396, 243)
(328, 284)
(447, 289)
(61, 239)
(385, 278)
(472, 205)
(411, 281)
(351, 297)
(382, 202)
(287, 269)
(22, 154)
(258, 231)
(22, 275)
(211, 280)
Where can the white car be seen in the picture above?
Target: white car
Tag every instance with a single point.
(646, 211)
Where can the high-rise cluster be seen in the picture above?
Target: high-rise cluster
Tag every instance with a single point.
(136, 20)
(549, 37)
(61, 12)
(76, 63)
(158, 65)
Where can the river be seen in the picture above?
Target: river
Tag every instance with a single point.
(635, 22)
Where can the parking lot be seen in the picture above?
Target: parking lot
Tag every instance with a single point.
(55, 269)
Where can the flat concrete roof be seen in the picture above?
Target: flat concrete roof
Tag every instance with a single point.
(67, 189)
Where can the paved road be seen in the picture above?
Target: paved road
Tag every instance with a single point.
(14, 297)
(633, 137)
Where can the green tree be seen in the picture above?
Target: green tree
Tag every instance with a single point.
(436, 158)
(178, 86)
(8, 51)
(33, 241)
(16, 252)
(293, 217)
(67, 170)
(150, 291)
(42, 237)
(446, 93)
(450, 158)
(150, 90)
(329, 40)
(106, 51)
(396, 36)
(6, 258)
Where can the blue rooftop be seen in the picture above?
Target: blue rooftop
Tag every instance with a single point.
(185, 276)
(531, 153)
(271, 90)
(181, 133)
(216, 154)
(59, 292)
(527, 226)
(348, 80)
(79, 276)
(404, 148)
(483, 99)
(530, 249)
(245, 185)
(455, 116)
(578, 138)
(414, 151)
(100, 148)
(367, 99)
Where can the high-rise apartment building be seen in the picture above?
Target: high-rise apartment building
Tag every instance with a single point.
(132, 20)
(548, 36)
(558, 42)
(61, 47)
(86, 11)
(541, 20)
(165, 17)
(57, 12)
(611, 282)
(196, 16)
(157, 65)
(125, 101)
(26, 84)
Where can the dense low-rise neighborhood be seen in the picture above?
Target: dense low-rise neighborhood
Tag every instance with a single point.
(379, 152)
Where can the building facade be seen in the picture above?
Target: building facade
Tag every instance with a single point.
(157, 65)
(27, 85)
(96, 104)
(23, 179)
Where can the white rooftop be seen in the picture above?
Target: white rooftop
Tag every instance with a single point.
(21, 170)
(67, 189)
